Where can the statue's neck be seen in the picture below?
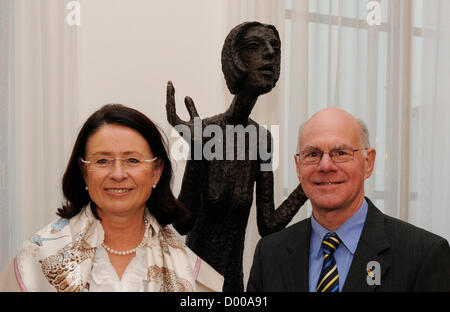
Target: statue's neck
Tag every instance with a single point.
(240, 109)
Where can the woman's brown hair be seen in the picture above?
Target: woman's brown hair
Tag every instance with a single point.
(162, 204)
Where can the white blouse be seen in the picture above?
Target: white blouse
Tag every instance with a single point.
(104, 277)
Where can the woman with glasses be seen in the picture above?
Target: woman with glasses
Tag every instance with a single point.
(114, 233)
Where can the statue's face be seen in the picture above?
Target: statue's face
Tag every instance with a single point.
(259, 50)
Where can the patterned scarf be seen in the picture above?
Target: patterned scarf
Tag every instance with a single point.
(60, 257)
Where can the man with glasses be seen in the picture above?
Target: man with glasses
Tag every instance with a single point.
(347, 244)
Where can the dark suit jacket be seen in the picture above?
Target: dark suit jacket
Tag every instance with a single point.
(411, 259)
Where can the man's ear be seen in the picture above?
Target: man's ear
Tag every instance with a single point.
(369, 162)
(297, 166)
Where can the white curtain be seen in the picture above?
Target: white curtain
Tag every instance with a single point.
(38, 107)
(429, 169)
(6, 136)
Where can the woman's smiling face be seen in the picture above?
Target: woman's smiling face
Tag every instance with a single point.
(119, 189)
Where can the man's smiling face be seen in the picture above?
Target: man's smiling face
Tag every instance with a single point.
(330, 185)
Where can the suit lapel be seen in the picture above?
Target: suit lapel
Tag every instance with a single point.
(371, 243)
(296, 266)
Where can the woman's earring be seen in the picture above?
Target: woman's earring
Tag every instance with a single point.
(86, 188)
(154, 185)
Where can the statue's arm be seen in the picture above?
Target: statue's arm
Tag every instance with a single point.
(269, 219)
(190, 195)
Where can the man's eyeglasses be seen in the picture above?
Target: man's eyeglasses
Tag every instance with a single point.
(340, 155)
(104, 163)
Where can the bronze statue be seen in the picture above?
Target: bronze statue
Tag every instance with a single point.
(219, 190)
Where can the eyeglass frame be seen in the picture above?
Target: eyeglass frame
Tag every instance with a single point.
(88, 162)
(336, 162)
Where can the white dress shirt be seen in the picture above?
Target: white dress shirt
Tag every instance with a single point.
(104, 277)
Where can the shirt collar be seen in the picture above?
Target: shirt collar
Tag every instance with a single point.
(349, 232)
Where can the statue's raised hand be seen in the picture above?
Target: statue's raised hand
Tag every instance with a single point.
(172, 116)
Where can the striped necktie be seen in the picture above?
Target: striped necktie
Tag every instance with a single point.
(329, 278)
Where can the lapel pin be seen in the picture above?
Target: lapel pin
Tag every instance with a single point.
(373, 270)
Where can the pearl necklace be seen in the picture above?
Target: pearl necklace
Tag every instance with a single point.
(129, 252)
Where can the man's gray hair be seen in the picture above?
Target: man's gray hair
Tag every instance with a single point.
(364, 136)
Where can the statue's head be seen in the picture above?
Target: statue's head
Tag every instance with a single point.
(251, 57)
